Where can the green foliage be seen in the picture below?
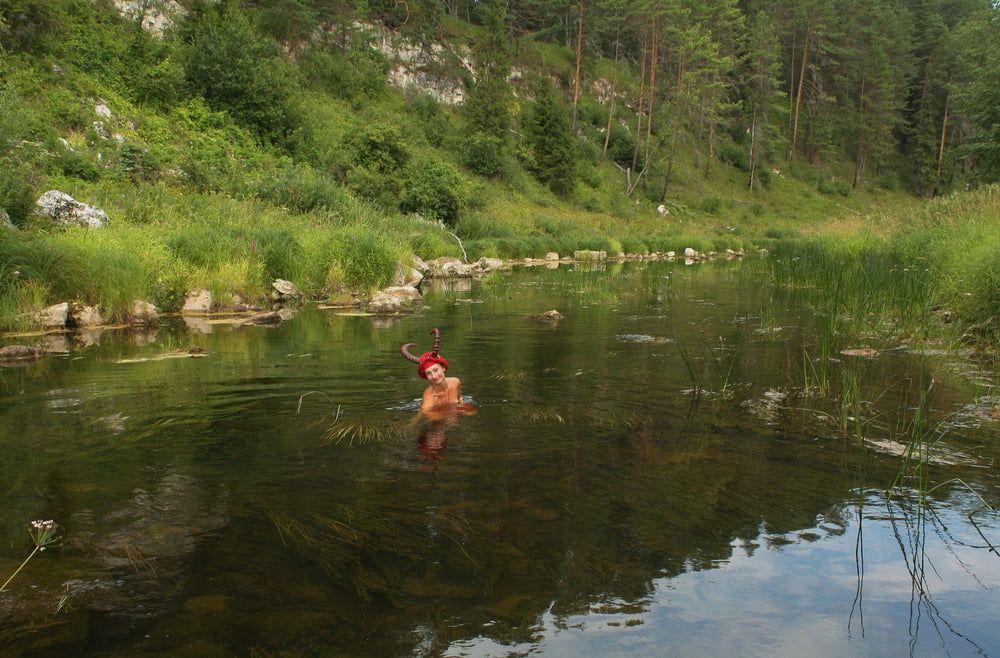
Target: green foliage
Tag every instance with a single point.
(431, 190)
(354, 72)
(378, 147)
(485, 154)
(362, 259)
(237, 70)
(833, 186)
(17, 197)
(488, 103)
(550, 141)
(299, 187)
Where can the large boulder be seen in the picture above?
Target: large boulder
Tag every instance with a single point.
(53, 317)
(420, 265)
(394, 299)
(84, 316)
(588, 254)
(486, 265)
(197, 301)
(143, 312)
(447, 267)
(64, 209)
(406, 276)
(284, 291)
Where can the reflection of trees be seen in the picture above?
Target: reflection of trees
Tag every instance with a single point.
(586, 477)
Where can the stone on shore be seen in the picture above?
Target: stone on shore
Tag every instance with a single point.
(198, 301)
(552, 256)
(64, 209)
(394, 299)
(81, 316)
(53, 317)
(143, 312)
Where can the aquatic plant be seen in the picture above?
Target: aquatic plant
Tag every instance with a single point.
(43, 534)
(364, 432)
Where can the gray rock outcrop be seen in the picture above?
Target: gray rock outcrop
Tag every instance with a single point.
(64, 209)
(5, 223)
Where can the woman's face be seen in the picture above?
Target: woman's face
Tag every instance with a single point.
(435, 373)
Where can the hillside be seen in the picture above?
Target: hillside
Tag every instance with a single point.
(234, 143)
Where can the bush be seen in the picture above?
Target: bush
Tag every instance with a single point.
(432, 120)
(236, 69)
(17, 197)
(735, 155)
(354, 73)
(833, 186)
(300, 187)
(484, 154)
(378, 147)
(431, 190)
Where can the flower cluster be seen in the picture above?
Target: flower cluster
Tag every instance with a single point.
(42, 533)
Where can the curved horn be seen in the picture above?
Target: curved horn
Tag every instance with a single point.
(437, 341)
(405, 351)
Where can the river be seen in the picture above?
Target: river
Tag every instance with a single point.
(657, 473)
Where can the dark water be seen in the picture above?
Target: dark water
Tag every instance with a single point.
(272, 498)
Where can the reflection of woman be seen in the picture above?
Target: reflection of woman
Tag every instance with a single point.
(432, 437)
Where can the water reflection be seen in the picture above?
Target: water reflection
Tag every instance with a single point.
(268, 498)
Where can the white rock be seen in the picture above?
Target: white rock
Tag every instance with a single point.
(5, 223)
(552, 256)
(286, 288)
(689, 252)
(54, 316)
(102, 110)
(144, 312)
(419, 264)
(662, 210)
(85, 316)
(197, 301)
(64, 209)
(405, 293)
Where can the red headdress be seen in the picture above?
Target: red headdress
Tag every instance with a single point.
(427, 359)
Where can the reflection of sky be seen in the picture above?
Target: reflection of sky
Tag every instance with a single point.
(796, 600)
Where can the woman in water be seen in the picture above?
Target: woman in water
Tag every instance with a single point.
(443, 392)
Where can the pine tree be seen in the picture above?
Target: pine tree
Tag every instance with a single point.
(763, 89)
(550, 139)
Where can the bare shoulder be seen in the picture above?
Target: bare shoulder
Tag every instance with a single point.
(453, 381)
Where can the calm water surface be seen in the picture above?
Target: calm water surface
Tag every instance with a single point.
(274, 497)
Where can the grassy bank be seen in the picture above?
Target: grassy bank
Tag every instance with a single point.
(931, 270)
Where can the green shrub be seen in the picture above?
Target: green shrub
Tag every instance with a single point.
(300, 187)
(374, 186)
(433, 122)
(236, 69)
(735, 155)
(711, 205)
(484, 154)
(833, 186)
(378, 147)
(357, 71)
(431, 189)
(17, 197)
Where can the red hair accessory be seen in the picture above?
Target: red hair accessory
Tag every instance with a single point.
(427, 359)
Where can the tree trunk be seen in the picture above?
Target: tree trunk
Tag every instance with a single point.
(614, 86)
(753, 148)
(642, 96)
(579, 59)
(859, 158)
(798, 94)
(944, 135)
(652, 77)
